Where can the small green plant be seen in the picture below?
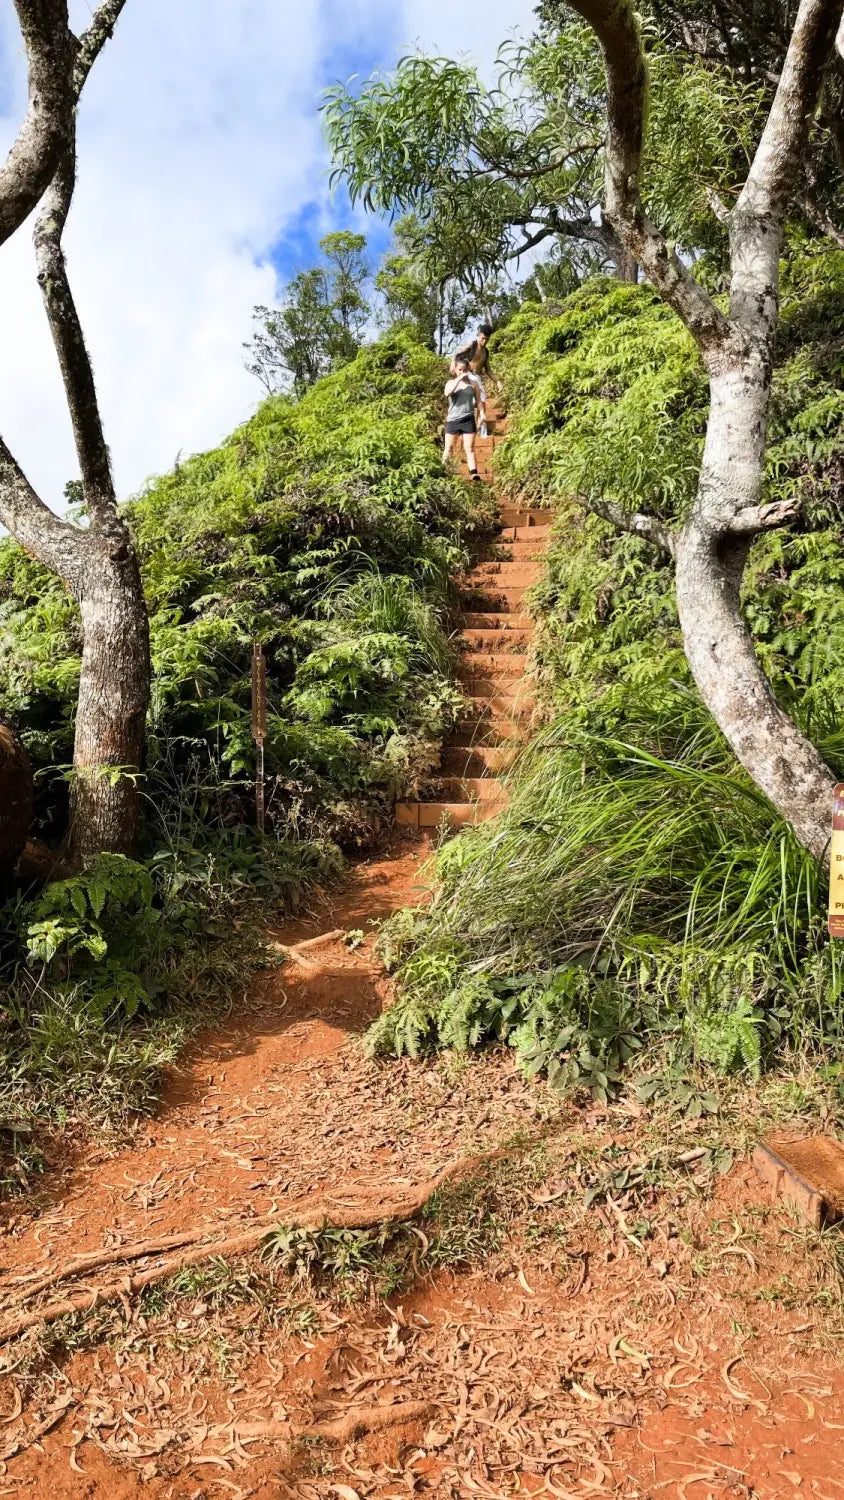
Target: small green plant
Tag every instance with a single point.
(90, 930)
(344, 1255)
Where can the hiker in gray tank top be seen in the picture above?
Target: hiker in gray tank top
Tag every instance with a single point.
(465, 403)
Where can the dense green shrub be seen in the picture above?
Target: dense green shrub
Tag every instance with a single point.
(327, 529)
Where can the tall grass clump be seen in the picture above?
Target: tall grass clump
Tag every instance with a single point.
(632, 893)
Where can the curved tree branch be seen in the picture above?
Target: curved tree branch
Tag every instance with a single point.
(57, 67)
(637, 523)
(47, 127)
(54, 542)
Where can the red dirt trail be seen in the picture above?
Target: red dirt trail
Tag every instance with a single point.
(581, 1367)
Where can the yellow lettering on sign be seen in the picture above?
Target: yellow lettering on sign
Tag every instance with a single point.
(836, 858)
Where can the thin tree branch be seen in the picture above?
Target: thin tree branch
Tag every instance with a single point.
(615, 26)
(717, 205)
(74, 360)
(531, 241)
(755, 518)
(93, 39)
(54, 542)
(821, 220)
(526, 174)
(583, 228)
(48, 123)
(636, 522)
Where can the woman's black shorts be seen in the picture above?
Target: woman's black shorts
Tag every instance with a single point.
(465, 424)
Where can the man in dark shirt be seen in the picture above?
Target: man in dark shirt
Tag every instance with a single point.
(477, 353)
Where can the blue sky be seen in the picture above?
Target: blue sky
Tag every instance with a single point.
(202, 184)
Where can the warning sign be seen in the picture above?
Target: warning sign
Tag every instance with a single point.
(836, 865)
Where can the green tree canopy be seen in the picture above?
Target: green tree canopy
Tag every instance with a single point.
(491, 172)
(437, 309)
(319, 322)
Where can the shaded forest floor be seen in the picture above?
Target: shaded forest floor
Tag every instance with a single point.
(595, 1311)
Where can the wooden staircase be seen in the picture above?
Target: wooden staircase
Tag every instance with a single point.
(493, 672)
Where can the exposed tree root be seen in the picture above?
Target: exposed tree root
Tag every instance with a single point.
(32, 1286)
(322, 937)
(295, 953)
(305, 1215)
(363, 1419)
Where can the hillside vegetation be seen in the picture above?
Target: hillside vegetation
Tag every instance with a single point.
(326, 529)
(639, 892)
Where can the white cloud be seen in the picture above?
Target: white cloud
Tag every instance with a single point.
(473, 31)
(199, 142)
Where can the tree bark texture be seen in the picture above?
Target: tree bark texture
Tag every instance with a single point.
(737, 349)
(711, 552)
(47, 127)
(111, 710)
(115, 676)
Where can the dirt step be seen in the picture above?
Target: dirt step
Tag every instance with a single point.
(499, 642)
(506, 551)
(431, 814)
(503, 705)
(472, 789)
(496, 685)
(510, 516)
(539, 535)
(535, 534)
(517, 536)
(500, 663)
(478, 760)
(495, 621)
(492, 600)
(480, 728)
(508, 573)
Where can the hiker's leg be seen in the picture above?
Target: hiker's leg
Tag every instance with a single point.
(469, 445)
(448, 449)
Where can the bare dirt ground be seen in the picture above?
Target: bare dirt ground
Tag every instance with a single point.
(599, 1315)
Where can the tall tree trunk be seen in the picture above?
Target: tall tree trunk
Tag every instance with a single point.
(111, 709)
(98, 564)
(710, 558)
